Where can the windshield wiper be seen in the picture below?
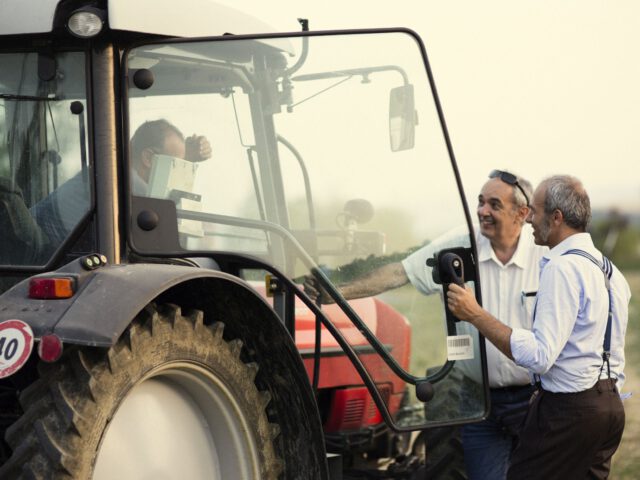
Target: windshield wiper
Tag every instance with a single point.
(10, 96)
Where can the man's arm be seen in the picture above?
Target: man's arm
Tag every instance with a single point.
(380, 280)
(462, 303)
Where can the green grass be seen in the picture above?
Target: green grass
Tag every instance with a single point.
(626, 461)
(428, 332)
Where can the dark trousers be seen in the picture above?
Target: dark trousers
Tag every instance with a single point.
(488, 444)
(570, 435)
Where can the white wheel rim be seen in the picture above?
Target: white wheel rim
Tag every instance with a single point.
(178, 422)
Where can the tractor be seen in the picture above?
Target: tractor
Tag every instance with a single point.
(170, 175)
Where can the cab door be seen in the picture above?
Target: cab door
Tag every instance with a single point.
(330, 164)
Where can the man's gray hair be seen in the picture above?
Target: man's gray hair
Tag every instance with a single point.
(567, 194)
(519, 198)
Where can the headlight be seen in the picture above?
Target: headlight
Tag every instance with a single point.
(86, 23)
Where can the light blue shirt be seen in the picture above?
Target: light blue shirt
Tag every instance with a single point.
(565, 344)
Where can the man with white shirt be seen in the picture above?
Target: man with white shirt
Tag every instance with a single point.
(508, 265)
(576, 345)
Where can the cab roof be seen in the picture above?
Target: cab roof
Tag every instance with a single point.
(184, 18)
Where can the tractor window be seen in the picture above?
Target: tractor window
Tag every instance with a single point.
(44, 179)
(325, 157)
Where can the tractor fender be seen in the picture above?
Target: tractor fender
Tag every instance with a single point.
(109, 297)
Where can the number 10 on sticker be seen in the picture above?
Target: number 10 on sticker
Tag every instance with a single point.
(16, 344)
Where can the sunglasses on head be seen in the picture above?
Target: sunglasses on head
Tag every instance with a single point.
(510, 179)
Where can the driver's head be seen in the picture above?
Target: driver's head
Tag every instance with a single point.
(155, 137)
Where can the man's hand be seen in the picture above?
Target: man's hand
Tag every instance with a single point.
(462, 303)
(197, 148)
(313, 289)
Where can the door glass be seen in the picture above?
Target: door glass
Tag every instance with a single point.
(44, 168)
(330, 165)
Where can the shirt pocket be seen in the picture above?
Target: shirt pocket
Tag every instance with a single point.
(527, 304)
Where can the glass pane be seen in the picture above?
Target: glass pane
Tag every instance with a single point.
(44, 179)
(336, 163)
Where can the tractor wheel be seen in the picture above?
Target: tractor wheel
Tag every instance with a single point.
(445, 457)
(172, 399)
(442, 446)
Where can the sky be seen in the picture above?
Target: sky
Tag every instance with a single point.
(539, 87)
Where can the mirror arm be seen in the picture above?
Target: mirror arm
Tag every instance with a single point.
(350, 72)
(304, 23)
(305, 176)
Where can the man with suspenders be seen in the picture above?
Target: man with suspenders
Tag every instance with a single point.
(575, 350)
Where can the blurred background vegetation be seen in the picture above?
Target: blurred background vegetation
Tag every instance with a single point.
(617, 234)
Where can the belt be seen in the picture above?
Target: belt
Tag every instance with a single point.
(513, 388)
(604, 383)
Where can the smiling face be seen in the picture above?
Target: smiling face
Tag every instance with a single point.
(500, 218)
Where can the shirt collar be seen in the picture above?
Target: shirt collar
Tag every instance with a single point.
(519, 258)
(580, 241)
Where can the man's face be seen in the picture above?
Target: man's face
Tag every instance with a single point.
(539, 220)
(500, 219)
(173, 146)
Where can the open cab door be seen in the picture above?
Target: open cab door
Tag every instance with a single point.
(330, 159)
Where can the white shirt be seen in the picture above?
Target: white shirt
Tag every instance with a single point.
(566, 342)
(138, 185)
(503, 286)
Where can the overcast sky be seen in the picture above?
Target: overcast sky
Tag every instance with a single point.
(535, 86)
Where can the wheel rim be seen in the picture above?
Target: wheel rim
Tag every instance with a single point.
(180, 421)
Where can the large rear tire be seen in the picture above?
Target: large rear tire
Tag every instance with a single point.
(172, 399)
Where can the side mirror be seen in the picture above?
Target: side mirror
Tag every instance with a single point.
(402, 118)
(359, 210)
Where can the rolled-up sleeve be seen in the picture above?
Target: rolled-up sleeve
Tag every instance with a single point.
(415, 264)
(524, 347)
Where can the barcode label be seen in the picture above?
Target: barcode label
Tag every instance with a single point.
(460, 347)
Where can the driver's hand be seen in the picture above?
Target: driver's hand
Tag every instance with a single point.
(197, 148)
(313, 289)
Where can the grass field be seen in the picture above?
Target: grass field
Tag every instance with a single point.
(428, 347)
(626, 462)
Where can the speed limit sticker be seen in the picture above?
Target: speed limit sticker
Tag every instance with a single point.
(16, 343)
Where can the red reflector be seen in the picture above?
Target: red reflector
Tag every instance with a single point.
(50, 348)
(51, 287)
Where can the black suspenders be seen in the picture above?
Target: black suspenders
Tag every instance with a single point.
(607, 269)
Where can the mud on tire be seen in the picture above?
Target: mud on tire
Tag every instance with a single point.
(74, 412)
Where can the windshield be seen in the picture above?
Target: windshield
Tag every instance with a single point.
(44, 182)
(328, 165)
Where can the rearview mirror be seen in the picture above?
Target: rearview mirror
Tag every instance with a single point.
(402, 118)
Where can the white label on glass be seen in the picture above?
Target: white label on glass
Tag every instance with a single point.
(459, 347)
